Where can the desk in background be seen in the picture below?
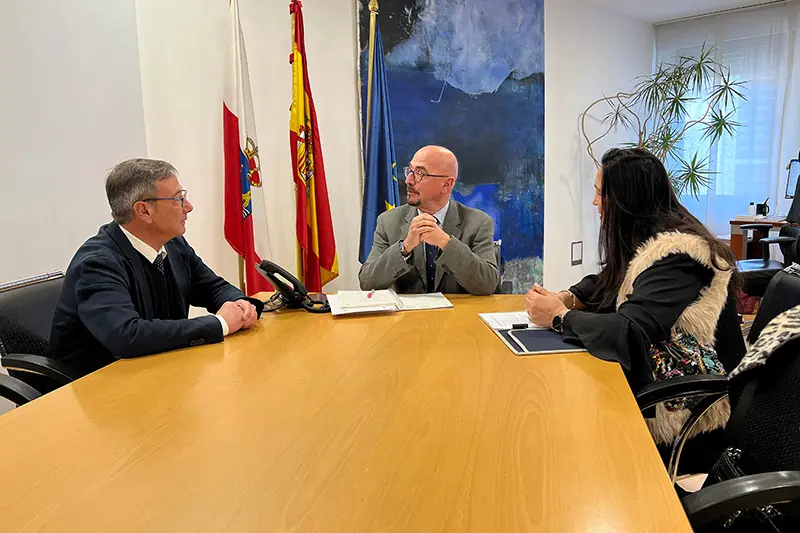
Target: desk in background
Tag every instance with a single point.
(738, 241)
(415, 421)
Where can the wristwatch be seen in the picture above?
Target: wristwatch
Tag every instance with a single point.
(405, 255)
(558, 321)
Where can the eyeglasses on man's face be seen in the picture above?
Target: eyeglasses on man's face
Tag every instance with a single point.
(180, 197)
(419, 174)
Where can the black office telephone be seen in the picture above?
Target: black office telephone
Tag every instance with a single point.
(291, 292)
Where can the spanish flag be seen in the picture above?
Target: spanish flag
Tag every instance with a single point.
(317, 263)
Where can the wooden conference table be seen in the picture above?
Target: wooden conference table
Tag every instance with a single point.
(418, 421)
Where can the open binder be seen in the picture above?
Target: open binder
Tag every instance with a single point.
(529, 340)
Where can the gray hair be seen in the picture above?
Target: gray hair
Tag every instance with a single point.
(134, 180)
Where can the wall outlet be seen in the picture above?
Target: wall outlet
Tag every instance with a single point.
(577, 253)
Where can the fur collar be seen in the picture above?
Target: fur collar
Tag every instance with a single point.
(700, 318)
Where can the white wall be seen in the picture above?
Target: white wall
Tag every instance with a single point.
(182, 46)
(589, 52)
(72, 107)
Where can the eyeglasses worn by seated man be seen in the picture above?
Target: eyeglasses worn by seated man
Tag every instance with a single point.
(180, 197)
(432, 243)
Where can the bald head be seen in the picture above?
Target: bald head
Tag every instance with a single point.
(435, 172)
(438, 160)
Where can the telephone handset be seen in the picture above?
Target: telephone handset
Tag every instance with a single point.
(291, 292)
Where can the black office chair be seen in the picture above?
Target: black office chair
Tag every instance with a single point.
(26, 316)
(762, 434)
(761, 466)
(758, 272)
(783, 293)
(503, 287)
(16, 391)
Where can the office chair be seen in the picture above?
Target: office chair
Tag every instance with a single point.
(782, 294)
(503, 287)
(16, 391)
(758, 272)
(760, 468)
(761, 436)
(26, 316)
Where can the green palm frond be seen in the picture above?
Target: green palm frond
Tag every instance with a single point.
(702, 70)
(693, 175)
(664, 140)
(718, 125)
(649, 92)
(675, 105)
(727, 91)
(618, 115)
(677, 185)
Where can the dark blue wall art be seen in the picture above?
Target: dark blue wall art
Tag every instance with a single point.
(469, 75)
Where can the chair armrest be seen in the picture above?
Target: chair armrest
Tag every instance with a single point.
(670, 389)
(696, 413)
(505, 287)
(17, 391)
(766, 242)
(777, 240)
(723, 499)
(54, 370)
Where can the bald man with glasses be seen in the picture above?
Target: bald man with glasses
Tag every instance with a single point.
(433, 243)
(128, 289)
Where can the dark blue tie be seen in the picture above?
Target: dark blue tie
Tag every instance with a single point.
(159, 263)
(431, 253)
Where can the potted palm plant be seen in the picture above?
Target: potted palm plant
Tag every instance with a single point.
(690, 94)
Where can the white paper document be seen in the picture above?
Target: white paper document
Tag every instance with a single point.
(500, 321)
(416, 302)
(351, 302)
(366, 299)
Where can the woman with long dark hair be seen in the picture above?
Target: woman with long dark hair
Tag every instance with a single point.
(660, 305)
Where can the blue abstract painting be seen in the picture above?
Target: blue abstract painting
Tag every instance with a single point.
(469, 75)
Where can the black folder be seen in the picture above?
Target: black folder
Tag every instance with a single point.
(536, 341)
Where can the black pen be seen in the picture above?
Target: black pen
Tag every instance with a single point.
(519, 326)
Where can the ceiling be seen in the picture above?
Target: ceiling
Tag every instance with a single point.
(663, 10)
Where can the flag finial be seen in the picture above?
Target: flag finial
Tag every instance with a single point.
(373, 6)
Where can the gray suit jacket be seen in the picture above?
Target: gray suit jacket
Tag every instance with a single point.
(466, 264)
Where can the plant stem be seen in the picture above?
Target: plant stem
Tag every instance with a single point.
(589, 142)
(687, 126)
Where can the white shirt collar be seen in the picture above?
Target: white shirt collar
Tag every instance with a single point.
(142, 247)
(440, 214)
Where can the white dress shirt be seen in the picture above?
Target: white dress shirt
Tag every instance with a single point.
(151, 255)
(440, 214)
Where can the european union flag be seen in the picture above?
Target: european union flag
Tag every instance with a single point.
(381, 191)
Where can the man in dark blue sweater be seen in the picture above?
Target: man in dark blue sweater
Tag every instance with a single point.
(128, 289)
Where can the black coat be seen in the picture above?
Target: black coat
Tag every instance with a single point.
(106, 310)
(661, 293)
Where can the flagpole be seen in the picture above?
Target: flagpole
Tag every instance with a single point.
(373, 17)
(242, 286)
(298, 250)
